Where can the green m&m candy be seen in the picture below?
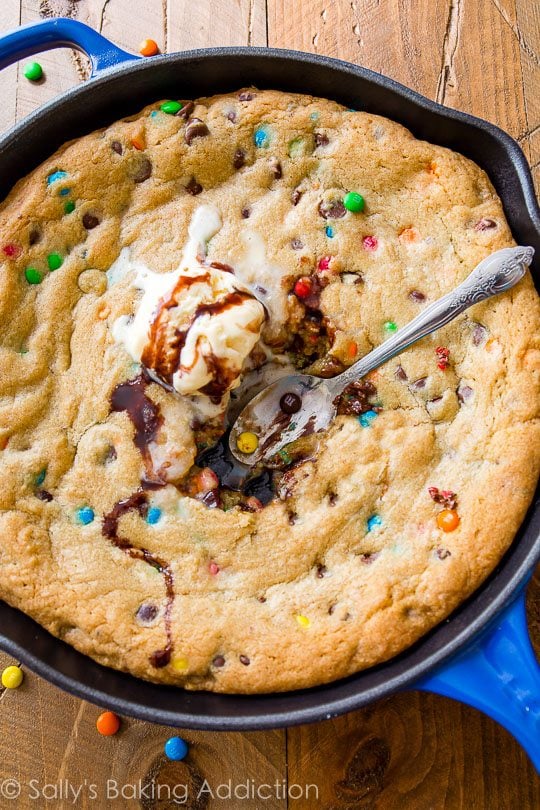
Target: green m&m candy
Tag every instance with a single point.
(32, 275)
(171, 107)
(354, 202)
(33, 71)
(54, 260)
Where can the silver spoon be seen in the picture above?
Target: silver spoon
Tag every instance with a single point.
(315, 398)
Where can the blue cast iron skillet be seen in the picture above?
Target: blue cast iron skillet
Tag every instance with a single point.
(482, 653)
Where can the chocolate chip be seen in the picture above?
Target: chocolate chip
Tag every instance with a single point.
(332, 209)
(290, 403)
(218, 661)
(443, 553)
(231, 116)
(292, 517)
(295, 196)
(400, 374)
(239, 158)
(368, 558)
(116, 146)
(244, 660)
(261, 599)
(419, 384)
(331, 609)
(211, 499)
(193, 187)
(160, 658)
(464, 392)
(245, 96)
(479, 334)
(296, 244)
(321, 139)
(321, 571)
(44, 495)
(246, 213)
(355, 398)
(143, 171)
(195, 128)
(332, 498)
(485, 224)
(275, 168)
(186, 110)
(417, 296)
(147, 613)
(90, 221)
(34, 236)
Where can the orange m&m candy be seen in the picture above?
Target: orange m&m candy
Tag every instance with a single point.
(108, 723)
(148, 47)
(448, 520)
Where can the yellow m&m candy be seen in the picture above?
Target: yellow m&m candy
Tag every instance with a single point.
(12, 677)
(247, 442)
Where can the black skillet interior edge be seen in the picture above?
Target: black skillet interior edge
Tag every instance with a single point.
(123, 91)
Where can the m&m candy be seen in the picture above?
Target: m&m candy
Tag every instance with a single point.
(33, 71)
(171, 107)
(148, 47)
(108, 723)
(12, 677)
(176, 749)
(247, 442)
(448, 520)
(354, 202)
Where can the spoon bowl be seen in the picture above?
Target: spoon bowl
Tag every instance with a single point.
(276, 424)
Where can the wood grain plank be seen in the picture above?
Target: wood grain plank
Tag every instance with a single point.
(390, 37)
(126, 22)
(527, 34)
(209, 23)
(60, 71)
(9, 18)
(415, 751)
(52, 739)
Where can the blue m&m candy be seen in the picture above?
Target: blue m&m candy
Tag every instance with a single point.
(176, 748)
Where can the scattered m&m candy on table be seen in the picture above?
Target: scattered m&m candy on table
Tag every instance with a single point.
(108, 723)
(148, 47)
(12, 677)
(176, 749)
(33, 71)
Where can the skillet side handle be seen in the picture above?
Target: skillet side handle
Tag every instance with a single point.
(499, 675)
(61, 33)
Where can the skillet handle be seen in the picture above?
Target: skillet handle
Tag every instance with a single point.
(61, 33)
(499, 675)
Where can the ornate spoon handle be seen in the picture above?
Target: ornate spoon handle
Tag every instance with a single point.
(495, 274)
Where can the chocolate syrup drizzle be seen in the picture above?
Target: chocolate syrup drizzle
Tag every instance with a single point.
(130, 396)
(138, 501)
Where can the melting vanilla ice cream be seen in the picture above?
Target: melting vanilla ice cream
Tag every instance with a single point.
(195, 326)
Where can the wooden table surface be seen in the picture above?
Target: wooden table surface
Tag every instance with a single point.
(412, 750)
